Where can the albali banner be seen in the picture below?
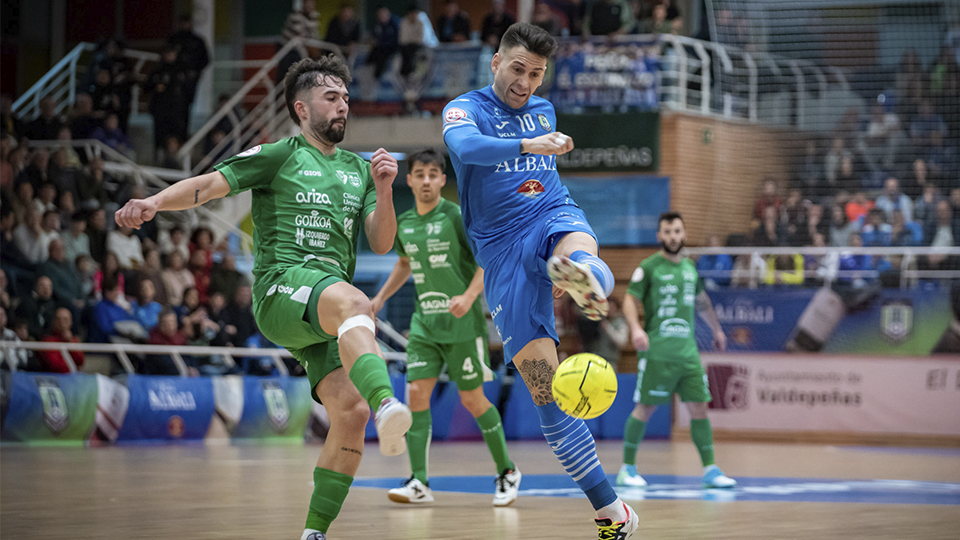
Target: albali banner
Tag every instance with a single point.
(167, 408)
(625, 142)
(613, 75)
(623, 210)
(828, 393)
(870, 321)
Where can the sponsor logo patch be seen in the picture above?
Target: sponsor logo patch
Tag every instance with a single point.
(531, 189)
(250, 151)
(543, 121)
(453, 114)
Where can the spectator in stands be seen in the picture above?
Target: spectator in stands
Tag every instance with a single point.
(858, 206)
(83, 120)
(32, 239)
(813, 225)
(411, 41)
(111, 135)
(793, 213)
(110, 311)
(97, 233)
(771, 231)
(110, 267)
(86, 270)
(905, 233)
(7, 176)
(67, 288)
(944, 232)
(239, 323)
(925, 124)
(607, 18)
(202, 240)
(386, 35)
(820, 269)
(810, 173)
(38, 308)
(66, 164)
(941, 157)
(23, 203)
(715, 269)
(918, 179)
(303, 23)
(61, 331)
(876, 232)
(20, 358)
(833, 161)
(15, 262)
(127, 247)
(769, 198)
(893, 199)
(225, 278)
(545, 18)
(37, 173)
(10, 124)
(858, 270)
(193, 56)
(95, 186)
(658, 23)
(104, 94)
(197, 325)
(925, 207)
(495, 24)
(168, 159)
(4, 291)
(175, 240)
(168, 333)
(47, 125)
(17, 159)
(453, 26)
(46, 201)
(176, 278)
(344, 29)
(880, 140)
(168, 87)
(152, 271)
(145, 308)
(201, 274)
(784, 269)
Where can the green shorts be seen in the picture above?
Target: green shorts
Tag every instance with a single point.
(286, 315)
(658, 380)
(468, 363)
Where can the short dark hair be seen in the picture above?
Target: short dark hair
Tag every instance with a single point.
(110, 282)
(428, 156)
(303, 76)
(669, 216)
(530, 37)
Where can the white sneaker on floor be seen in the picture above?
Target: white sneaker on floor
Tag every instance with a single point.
(412, 491)
(620, 530)
(310, 534)
(508, 487)
(713, 477)
(393, 419)
(578, 280)
(628, 476)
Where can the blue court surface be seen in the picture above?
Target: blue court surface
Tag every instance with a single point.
(688, 487)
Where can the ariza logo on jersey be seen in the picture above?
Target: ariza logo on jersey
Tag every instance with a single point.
(531, 189)
(313, 197)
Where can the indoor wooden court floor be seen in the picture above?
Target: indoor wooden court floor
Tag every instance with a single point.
(204, 491)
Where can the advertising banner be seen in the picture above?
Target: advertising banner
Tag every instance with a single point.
(625, 142)
(609, 74)
(755, 319)
(623, 210)
(828, 393)
(167, 408)
(50, 408)
(273, 407)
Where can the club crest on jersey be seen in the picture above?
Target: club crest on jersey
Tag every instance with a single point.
(543, 121)
(352, 177)
(531, 189)
(453, 114)
(249, 151)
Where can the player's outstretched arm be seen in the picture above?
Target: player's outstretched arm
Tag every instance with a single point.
(705, 309)
(641, 341)
(461, 304)
(188, 193)
(381, 224)
(398, 276)
(475, 148)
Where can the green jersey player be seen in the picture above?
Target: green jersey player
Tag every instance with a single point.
(447, 328)
(671, 293)
(309, 201)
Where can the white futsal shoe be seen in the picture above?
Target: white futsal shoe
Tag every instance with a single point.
(578, 280)
(713, 477)
(508, 487)
(620, 530)
(393, 419)
(628, 476)
(310, 534)
(412, 491)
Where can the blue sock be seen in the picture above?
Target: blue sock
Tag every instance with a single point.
(573, 445)
(600, 269)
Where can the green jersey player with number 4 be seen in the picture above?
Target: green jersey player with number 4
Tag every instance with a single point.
(671, 293)
(447, 328)
(310, 199)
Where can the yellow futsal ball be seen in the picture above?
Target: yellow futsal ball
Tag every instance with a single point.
(584, 386)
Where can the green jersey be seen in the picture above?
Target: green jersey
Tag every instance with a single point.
(667, 291)
(307, 207)
(442, 266)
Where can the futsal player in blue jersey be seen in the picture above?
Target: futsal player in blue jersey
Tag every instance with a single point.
(532, 241)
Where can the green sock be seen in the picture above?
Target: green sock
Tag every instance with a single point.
(492, 429)
(329, 490)
(418, 444)
(702, 437)
(633, 433)
(369, 375)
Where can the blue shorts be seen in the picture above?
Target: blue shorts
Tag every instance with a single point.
(519, 291)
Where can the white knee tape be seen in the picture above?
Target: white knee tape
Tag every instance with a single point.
(355, 321)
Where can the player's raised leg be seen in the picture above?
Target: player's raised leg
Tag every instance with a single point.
(344, 311)
(571, 440)
(702, 435)
(341, 453)
(417, 488)
(575, 268)
(491, 426)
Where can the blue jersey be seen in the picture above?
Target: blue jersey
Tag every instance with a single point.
(500, 189)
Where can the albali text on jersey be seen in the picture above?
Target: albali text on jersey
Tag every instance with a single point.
(500, 189)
